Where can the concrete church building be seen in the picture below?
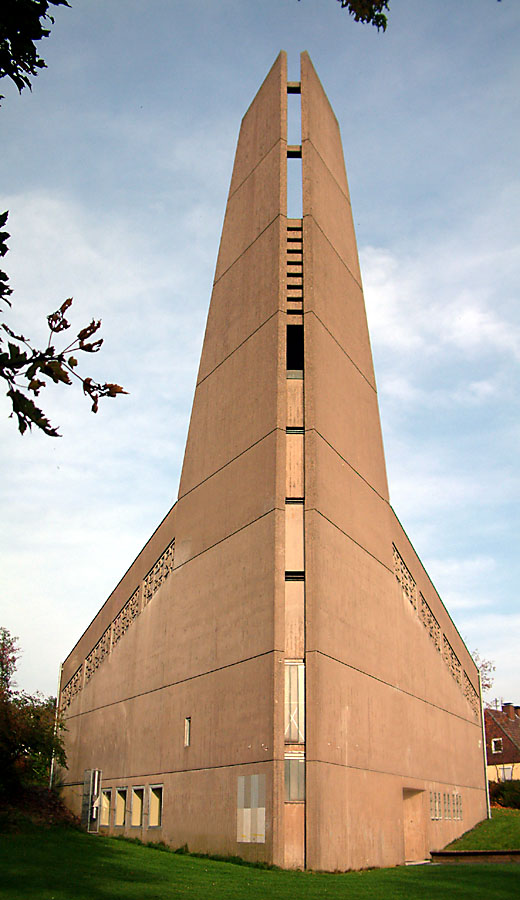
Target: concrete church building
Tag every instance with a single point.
(275, 675)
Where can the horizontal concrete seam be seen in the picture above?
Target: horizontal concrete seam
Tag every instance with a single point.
(333, 248)
(311, 312)
(328, 168)
(279, 140)
(241, 344)
(171, 684)
(372, 488)
(120, 778)
(240, 255)
(319, 513)
(228, 463)
(326, 762)
(395, 688)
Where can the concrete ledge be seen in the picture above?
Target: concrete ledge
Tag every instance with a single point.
(475, 856)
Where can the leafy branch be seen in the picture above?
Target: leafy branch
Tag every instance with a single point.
(27, 370)
(367, 12)
(21, 24)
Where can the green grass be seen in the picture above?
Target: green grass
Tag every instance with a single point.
(502, 832)
(59, 863)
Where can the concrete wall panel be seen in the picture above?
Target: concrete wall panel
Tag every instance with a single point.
(329, 206)
(342, 406)
(235, 407)
(356, 508)
(264, 123)
(244, 298)
(336, 298)
(319, 124)
(255, 204)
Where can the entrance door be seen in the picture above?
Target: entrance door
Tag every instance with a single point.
(414, 825)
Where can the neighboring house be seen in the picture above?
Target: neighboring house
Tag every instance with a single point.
(503, 742)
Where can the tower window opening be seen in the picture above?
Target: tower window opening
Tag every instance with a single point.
(295, 351)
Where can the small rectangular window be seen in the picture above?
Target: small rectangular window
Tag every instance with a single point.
(187, 731)
(294, 778)
(496, 745)
(449, 806)
(120, 813)
(136, 816)
(106, 801)
(155, 813)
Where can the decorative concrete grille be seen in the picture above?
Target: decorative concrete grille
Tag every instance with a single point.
(158, 573)
(120, 625)
(72, 688)
(430, 623)
(405, 578)
(441, 642)
(98, 654)
(125, 618)
(470, 693)
(452, 660)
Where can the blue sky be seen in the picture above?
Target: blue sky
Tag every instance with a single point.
(116, 169)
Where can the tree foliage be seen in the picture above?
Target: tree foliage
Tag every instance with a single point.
(367, 12)
(486, 668)
(30, 730)
(22, 22)
(27, 370)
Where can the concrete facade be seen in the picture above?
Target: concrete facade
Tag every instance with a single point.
(275, 676)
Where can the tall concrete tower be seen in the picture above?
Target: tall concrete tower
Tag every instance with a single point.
(275, 675)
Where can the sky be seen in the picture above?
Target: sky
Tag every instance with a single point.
(115, 170)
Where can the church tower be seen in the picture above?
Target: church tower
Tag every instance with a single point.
(275, 676)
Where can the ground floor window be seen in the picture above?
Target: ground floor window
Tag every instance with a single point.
(155, 806)
(136, 815)
(120, 811)
(105, 804)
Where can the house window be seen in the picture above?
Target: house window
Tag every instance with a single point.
(136, 815)
(294, 777)
(120, 814)
(294, 702)
(505, 773)
(449, 806)
(106, 801)
(155, 813)
(496, 745)
(187, 731)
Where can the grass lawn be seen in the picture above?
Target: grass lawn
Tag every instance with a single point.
(60, 863)
(502, 832)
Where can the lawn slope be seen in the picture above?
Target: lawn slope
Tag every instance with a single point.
(60, 863)
(502, 832)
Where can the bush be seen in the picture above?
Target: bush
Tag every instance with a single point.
(505, 793)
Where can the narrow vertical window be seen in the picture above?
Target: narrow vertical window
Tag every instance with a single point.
(187, 731)
(120, 813)
(106, 799)
(294, 778)
(136, 816)
(294, 702)
(156, 800)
